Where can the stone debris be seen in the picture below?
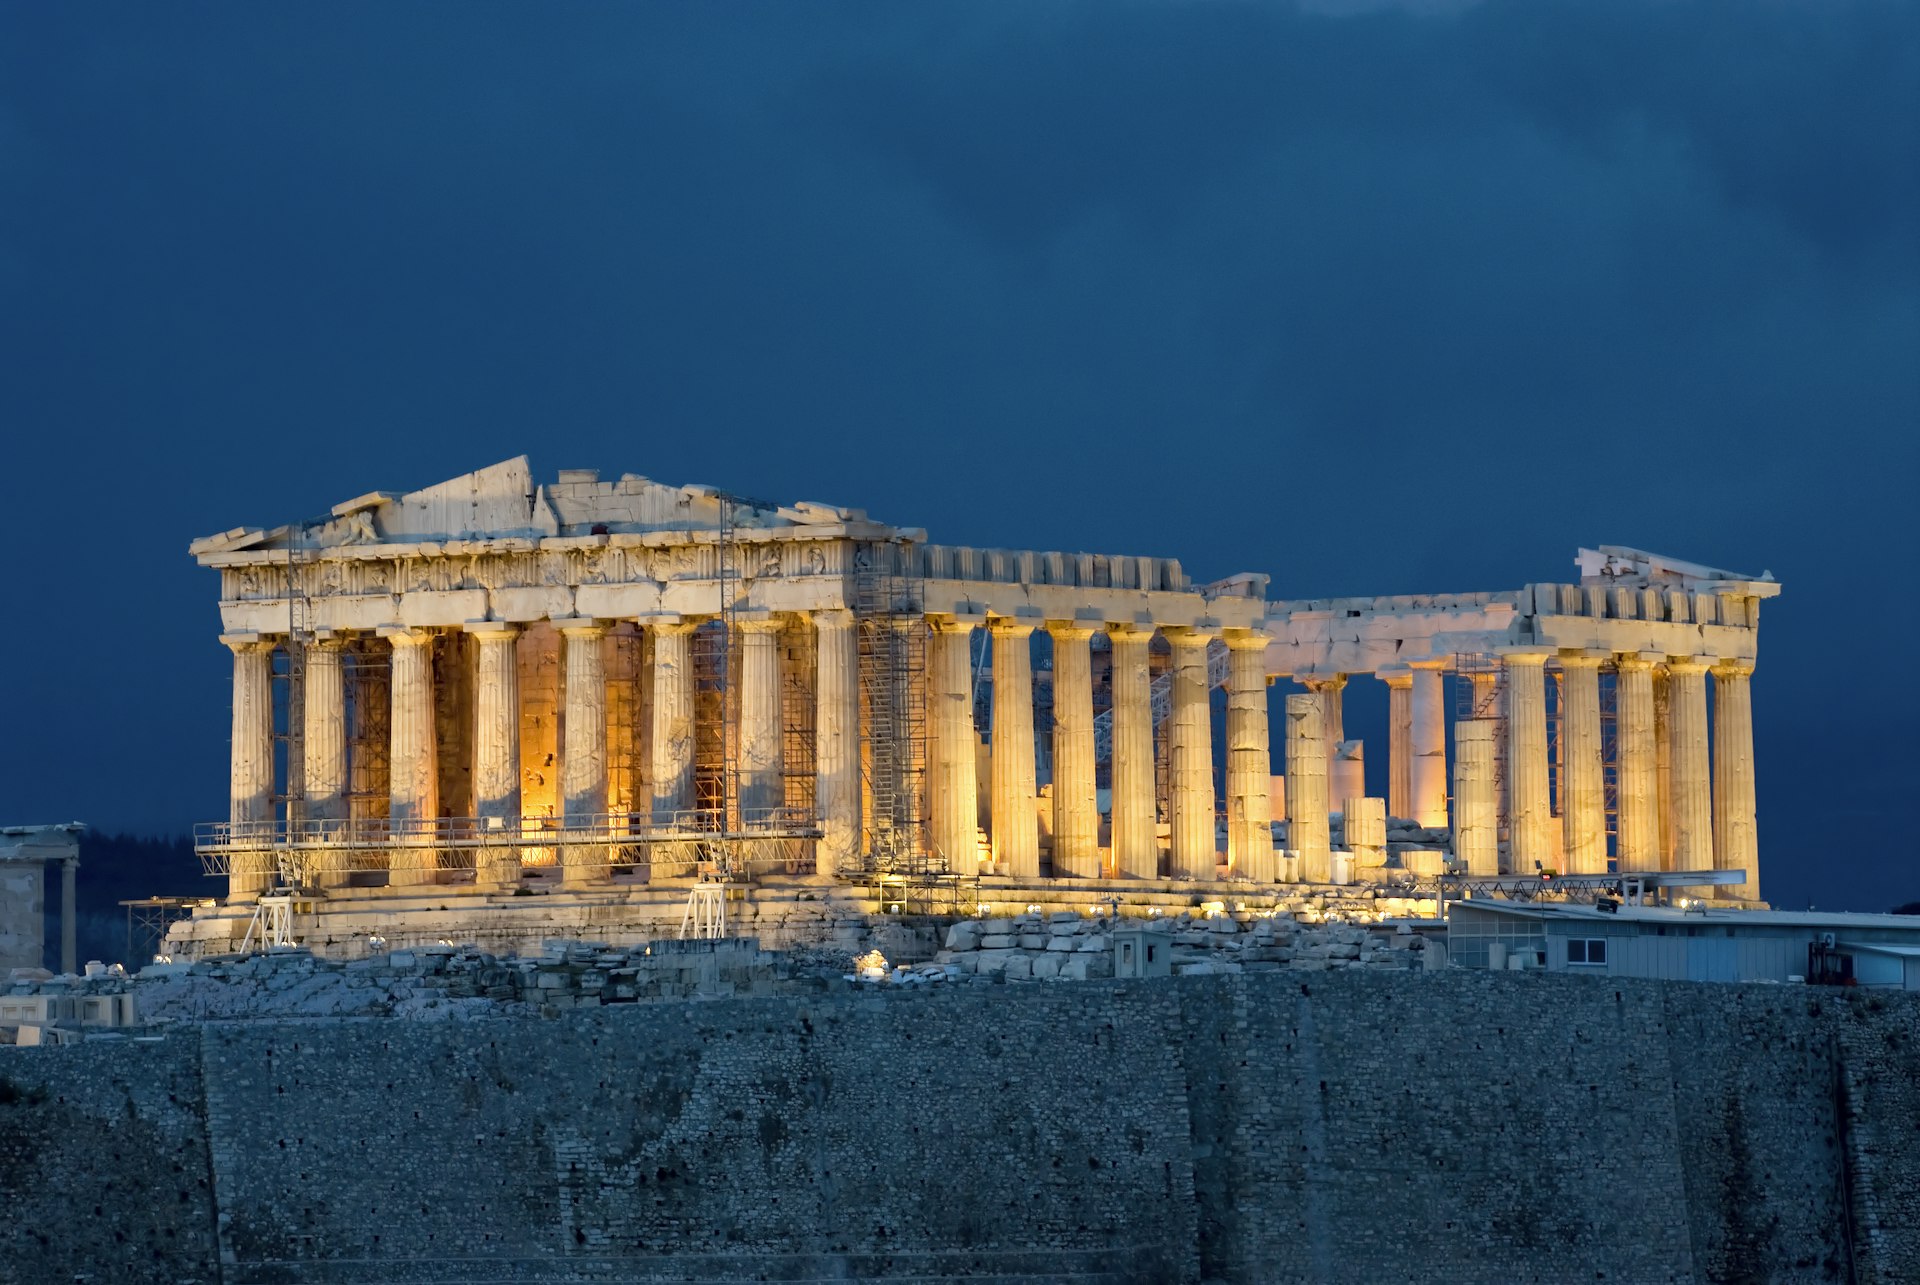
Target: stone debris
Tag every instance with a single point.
(1077, 948)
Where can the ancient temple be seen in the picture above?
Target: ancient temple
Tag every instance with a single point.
(496, 685)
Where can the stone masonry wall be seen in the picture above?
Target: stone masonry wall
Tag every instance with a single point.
(1278, 1126)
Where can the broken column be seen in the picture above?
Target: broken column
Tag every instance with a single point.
(1692, 777)
(1736, 844)
(1329, 688)
(1249, 759)
(1529, 811)
(1347, 771)
(250, 779)
(1365, 823)
(836, 789)
(1428, 775)
(1476, 807)
(1637, 845)
(1190, 759)
(1076, 811)
(1583, 810)
(762, 789)
(1136, 846)
(1307, 834)
(1399, 741)
(1016, 822)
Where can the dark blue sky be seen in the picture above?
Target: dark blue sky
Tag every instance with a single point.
(1373, 298)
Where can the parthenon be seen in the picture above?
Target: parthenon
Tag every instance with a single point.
(494, 686)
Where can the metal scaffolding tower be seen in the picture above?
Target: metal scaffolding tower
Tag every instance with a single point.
(892, 636)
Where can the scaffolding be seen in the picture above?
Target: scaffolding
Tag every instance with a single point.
(1480, 692)
(892, 639)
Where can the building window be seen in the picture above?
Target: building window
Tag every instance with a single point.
(1587, 950)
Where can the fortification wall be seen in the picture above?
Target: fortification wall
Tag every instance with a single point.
(1263, 1127)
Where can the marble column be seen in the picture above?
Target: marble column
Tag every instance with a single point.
(672, 774)
(836, 790)
(1736, 844)
(1529, 810)
(414, 774)
(1583, 809)
(1476, 808)
(1076, 808)
(954, 780)
(1329, 688)
(1136, 844)
(1692, 775)
(1428, 775)
(1195, 854)
(1249, 760)
(1663, 760)
(762, 789)
(250, 778)
(1016, 818)
(496, 751)
(1399, 743)
(323, 734)
(1637, 845)
(1307, 833)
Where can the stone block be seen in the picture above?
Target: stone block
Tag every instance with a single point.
(1047, 966)
(1063, 945)
(964, 935)
(997, 941)
(1018, 966)
(1033, 941)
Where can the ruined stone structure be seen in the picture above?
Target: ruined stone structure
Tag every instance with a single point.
(493, 685)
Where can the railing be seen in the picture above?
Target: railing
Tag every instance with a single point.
(408, 844)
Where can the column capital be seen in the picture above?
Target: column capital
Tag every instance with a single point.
(1525, 655)
(1129, 631)
(1431, 663)
(580, 626)
(1239, 639)
(492, 630)
(1580, 658)
(1010, 627)
(1630, 661)
(831, 617)
(955, 622)
(669, 622)
(242, 641)
(328, 640)
(406, 635)
(1689, 664)
(1395, 676)
(760, 622)
(1187, 637)
(1321, 682)
(1071, 630)
(1733, 667)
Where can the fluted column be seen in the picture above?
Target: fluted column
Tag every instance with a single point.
(1399, 742)
(1692, 777)
(414, 771)
(1307, 834)
(954, 780)
(323, 732)
(1529, 810)
(1637, 847)
(1136, 844)
(672, 717)
(1190, 760)
(1016, 820)
(1428, 783)
(1330, 689)
(1249, 759)
(1076, 809)
(1583, 811)
(250, 775)
(1663, 760)
(1476, 809)
(496, 750)
(836, 790)
(761, 787)
(1736, 843)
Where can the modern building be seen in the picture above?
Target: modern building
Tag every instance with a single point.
(1701, 943)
